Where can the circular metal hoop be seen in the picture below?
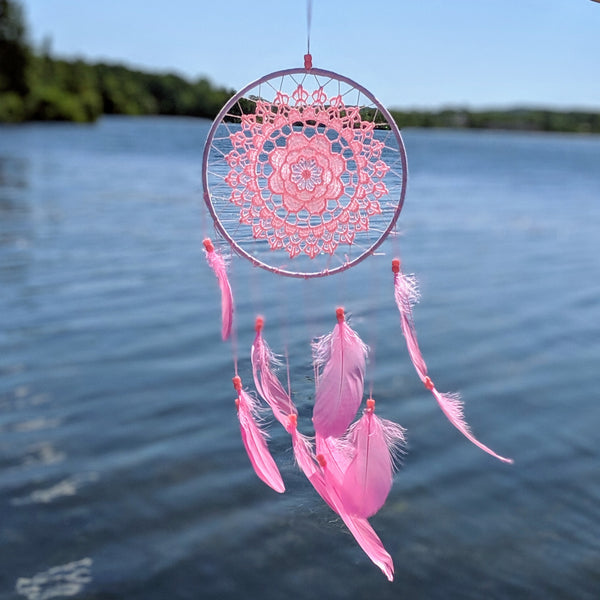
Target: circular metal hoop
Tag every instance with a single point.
(365, 180)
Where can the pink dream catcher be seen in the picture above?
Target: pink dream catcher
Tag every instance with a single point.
(304, 174)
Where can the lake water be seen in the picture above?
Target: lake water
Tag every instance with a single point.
(122, 473)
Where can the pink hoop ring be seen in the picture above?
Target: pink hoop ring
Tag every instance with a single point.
(223, 148)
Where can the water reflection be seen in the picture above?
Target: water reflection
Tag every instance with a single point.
(21, 397)
(67, 487)
(43, 453)
(64, 580)
(35, 424)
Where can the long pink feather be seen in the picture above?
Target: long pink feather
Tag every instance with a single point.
(406, 294)
(451, 406)
(316, 472)
(369, 541)
(306, 460)
(266, 381)
(342, 357)
(368, 478)
(254, 439)
(217, 263)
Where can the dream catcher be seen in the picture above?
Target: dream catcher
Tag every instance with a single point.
(304, 174)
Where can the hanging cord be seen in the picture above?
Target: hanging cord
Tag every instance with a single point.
(234, 348)
(307, 56)
(308, 24)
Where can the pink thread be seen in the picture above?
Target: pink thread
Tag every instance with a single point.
(306, 172)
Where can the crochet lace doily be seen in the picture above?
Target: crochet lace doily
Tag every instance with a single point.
(304, 172)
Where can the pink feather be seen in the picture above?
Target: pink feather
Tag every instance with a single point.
(338, 454)
(360, 528)
(340, 358)
(217, 263)
(266, 381)
(369, 541)
(368, 478)
(254, 439)
(303, 451)
(305, 457)
(451, 406)
(406, 294)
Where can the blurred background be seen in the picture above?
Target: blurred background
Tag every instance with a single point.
(122, 473)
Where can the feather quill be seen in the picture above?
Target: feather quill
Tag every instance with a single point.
(217, 263)
(254, 439)
(406, 294)
(340, 360)
(266, 381)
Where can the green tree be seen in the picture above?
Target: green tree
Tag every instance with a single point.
(14, 51)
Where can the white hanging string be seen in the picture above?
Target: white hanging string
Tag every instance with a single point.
(308, 23)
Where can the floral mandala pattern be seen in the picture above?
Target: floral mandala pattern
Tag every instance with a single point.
(306, 172)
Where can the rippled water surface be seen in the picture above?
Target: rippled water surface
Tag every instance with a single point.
(122, 474)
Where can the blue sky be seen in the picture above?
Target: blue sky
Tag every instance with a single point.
(409, 53)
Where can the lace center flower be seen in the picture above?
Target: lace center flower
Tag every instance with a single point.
(306, 174)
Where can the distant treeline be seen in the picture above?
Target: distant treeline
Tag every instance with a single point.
(36, 86)
(523, 119)
(61, 90)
